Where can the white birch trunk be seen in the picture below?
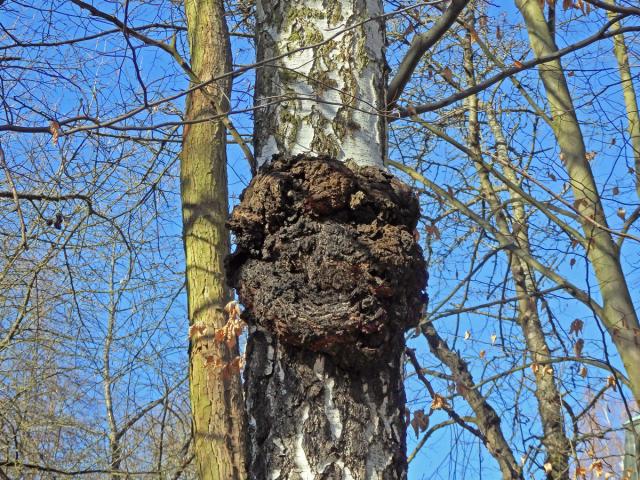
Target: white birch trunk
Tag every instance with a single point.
(312, 414)
(327, 99)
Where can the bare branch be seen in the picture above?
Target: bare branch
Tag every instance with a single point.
(420, 45)
(14, 195)
(601, 34)
(614, 8)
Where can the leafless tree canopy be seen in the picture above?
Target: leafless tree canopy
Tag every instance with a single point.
(518, 126)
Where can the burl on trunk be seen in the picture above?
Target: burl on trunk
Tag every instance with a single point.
(331, 275)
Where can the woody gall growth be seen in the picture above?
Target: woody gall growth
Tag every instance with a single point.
(329, 270)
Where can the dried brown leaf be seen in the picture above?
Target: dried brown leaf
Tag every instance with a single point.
(597, 468)
(438, 402)
(576, 326)
(447, 74)
(622, 213)
(56, 130)
(419, 422)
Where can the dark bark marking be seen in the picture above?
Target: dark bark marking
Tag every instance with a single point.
(331, 276)
(326, 258)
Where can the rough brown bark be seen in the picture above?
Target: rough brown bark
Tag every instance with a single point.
(331, 276)
(216, 399)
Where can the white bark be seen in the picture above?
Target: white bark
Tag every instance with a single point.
(316, 421)
(310, 417)
(327, 99)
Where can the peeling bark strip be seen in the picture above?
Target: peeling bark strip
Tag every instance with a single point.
(327, 99)
(331, 276)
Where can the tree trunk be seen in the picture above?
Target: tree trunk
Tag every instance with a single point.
(630, 99)
(326, 99)
(327, 265)
(216, 399)
(555, 441)
(619, 314)
(331, 276)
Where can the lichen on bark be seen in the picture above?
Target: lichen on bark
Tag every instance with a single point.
(332, 82)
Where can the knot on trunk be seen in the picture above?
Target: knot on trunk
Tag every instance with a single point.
(327, 258)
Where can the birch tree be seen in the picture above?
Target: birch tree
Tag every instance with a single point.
(326, 264)
(505, 371)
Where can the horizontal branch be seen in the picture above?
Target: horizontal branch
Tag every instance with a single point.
(611, 7)
(69, 473)
(420, 45)
(601, 34)
(502, 301)
(549, 361)
(46, 198)
(71, 41)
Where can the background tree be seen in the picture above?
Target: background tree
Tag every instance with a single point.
(216, 395)
(528, 180)
(93, 375)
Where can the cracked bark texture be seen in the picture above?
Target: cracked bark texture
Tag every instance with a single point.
(331, 276)
(326, 96)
